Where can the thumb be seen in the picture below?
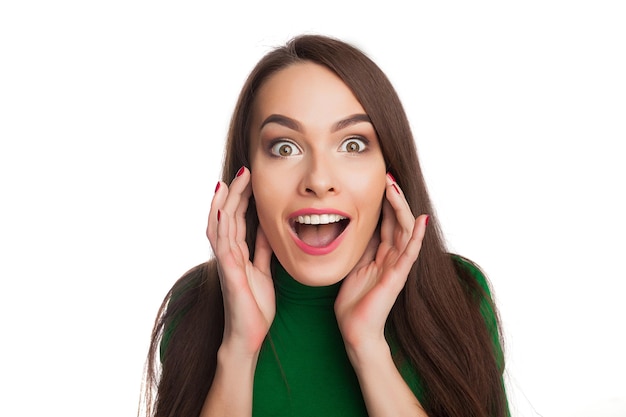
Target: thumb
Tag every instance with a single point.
(262, 252)
(370, 250)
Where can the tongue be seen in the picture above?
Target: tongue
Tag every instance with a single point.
(320, 235)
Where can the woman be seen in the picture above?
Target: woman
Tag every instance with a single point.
(327, 296)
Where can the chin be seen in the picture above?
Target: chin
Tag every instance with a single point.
(319, 272)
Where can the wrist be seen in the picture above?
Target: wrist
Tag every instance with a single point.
(241, 345)
(232, 356)
(233, 384)
(368, 353)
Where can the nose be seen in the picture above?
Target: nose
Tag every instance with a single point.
(319, 178)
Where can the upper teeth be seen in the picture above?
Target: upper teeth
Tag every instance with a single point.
(319, 218)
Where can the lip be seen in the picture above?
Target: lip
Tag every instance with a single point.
(314, 250)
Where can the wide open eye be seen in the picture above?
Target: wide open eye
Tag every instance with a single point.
(284, 149)
(353, 145)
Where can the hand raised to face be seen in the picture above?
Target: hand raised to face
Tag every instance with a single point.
(247, 286)
(370, 290)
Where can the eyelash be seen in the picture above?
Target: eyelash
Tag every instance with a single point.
(274, 147)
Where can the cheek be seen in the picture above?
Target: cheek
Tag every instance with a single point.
(269, 195)
(260, 188)
(373, 195)
(270, 205)
(370, 186)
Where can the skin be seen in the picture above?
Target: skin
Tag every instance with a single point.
(322, 172)
(323, 166)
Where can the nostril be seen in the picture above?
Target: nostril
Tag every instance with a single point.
(309, 190)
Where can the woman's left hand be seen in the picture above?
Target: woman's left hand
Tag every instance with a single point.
(370, 290)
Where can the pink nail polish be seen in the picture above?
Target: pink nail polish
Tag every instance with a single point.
(217, 187)
(395, 188)
(240, 171)
(392, 177)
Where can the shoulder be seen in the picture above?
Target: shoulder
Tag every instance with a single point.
(478, 283)
(468, 269)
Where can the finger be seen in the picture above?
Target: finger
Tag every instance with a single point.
(396, 198)
(237, 189)
(222, 244)
(221, 192)
(388, 225)
(370, 251)
(403, 215)
(392, 184)
(240, 213)
(262, 252)
(237, 202)
(414, 245)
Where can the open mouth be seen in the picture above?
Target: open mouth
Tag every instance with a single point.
(319, 230)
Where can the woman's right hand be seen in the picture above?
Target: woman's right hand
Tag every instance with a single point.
(247, 287)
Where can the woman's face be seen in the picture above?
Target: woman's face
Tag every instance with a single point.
(318, 173)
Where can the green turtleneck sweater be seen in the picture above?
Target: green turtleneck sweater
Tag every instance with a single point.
(303, 369)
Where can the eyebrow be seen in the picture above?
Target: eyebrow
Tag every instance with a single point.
(351, 120)
(292, 124)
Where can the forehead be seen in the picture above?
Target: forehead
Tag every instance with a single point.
(307, 92)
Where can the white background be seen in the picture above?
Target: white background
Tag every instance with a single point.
(112, 121)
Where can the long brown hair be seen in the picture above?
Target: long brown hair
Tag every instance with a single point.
(436, 320)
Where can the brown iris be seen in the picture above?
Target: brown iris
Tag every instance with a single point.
(285, 150)
(353, 146)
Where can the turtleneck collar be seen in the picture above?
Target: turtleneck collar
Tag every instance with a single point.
(290, 290)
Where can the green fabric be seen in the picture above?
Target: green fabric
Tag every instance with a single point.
(303, 369)
(486, 309)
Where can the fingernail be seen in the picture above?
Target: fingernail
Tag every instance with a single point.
(427, 219)
(217, 187)
(218, 215)
(240, 171)
(392, 177)
(395, 188)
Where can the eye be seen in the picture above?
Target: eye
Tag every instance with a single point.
(353, 145)
(284, 149)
